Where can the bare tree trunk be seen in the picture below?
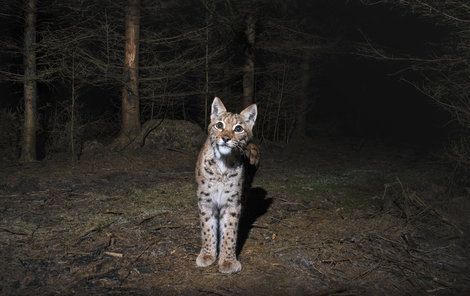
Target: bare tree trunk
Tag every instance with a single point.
(302, 100)
(279, 104)
(209, 4)
(28, 147)
(73, 98)
(206, 87)
(249, 67)
(130, 125)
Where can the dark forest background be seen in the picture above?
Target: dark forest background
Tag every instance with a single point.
(390, 71)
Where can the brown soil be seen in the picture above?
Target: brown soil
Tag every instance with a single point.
(321, 220)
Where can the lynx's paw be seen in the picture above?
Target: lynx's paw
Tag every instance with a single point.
(229, 266)
(252, 154)
(205, 259)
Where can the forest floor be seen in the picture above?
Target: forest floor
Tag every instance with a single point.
(321, 219)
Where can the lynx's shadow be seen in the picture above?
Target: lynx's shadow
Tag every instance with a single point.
(255, 205)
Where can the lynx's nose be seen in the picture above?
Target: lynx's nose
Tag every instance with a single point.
(225, 139)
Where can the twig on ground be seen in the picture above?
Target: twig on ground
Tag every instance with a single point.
(146, 219)
(95, 228)
(334, 261)
(259, 226)
(435, 289)
(114, 212)
(292, 203)
(169, 227)
(130, 264)
(14, 232)
(113, 254)
(367, 271)
(179, 151)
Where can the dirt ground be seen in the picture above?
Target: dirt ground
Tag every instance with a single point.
(324, 218)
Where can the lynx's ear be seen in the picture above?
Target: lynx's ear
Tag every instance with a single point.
(249, 114)
(217, 109)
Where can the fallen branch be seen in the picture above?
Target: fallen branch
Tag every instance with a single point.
(418, 202)
(13, 232)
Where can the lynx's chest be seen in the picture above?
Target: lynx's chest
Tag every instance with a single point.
(226, 186)
(219, 182)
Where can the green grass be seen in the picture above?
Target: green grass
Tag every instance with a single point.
(351, 189)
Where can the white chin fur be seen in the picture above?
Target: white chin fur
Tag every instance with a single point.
(224, 150)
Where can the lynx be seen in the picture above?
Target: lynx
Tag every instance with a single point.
(220, 178)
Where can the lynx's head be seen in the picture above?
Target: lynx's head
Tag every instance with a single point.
(230, 132)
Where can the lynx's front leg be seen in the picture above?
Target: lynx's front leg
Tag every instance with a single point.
(229, 220)
(209, 224)
(252, 153)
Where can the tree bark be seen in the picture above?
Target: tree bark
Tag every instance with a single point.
(130, 124)
(28, 146)
(209, 4)
(249, 67)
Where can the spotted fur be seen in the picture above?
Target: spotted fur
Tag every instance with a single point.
(220, 176)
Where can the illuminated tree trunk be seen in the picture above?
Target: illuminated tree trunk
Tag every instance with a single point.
(209, 4)
(249, 67)
(130, 125)
(28, 146)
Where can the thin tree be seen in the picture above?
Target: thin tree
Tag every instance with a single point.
(130, 109)
(249, 67)
(28, 147)
(302, 101)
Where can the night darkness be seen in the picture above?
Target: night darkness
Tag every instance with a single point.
(362, 137)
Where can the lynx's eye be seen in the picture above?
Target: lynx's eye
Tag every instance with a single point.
(219, 125)
(238, 129)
